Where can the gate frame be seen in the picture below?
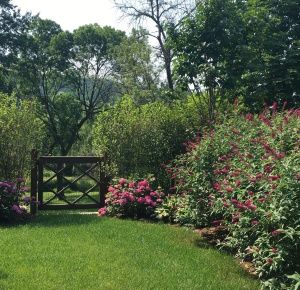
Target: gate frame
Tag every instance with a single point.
(37, 166)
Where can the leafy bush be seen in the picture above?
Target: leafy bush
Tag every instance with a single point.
(244, 174)
(13, 201)
(138, 140)
(20, 132)
(132, 199)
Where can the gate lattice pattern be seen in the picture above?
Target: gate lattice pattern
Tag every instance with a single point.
(68, 182)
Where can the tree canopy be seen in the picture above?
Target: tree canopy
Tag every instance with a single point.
(246, 48)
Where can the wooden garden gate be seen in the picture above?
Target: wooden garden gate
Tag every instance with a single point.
(61, 182)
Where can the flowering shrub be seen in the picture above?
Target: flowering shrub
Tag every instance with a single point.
(13, 201)
(245, 175)
(131, 199)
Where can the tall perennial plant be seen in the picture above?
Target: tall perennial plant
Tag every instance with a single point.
(244, 175)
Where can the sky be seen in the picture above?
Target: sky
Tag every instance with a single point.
(70, 14)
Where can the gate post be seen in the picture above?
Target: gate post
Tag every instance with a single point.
(104, 181)
(33, 181)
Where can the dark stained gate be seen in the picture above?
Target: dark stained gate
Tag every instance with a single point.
(73, 182)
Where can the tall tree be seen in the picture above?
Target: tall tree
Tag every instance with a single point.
(90, 72)
(135, 72)
(210, 52)
(55, 62)
(157, 13)
(12, 26)
(240, 48)
(281, 44)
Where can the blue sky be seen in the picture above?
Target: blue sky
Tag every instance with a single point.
(71, 14)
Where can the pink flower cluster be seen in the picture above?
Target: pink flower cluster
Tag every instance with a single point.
(133, 199)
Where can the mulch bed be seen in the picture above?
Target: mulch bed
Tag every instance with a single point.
(211, 236)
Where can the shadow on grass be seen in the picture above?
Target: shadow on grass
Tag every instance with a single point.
(203, 244)
(3, 275)
(56, 219)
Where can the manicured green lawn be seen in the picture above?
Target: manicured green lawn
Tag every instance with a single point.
(69, 250)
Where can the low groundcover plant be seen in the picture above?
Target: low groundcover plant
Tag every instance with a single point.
(13, 201)
(131, 199)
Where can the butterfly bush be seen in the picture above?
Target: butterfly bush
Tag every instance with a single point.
(14, 203)
(131, 199)
(244, 175)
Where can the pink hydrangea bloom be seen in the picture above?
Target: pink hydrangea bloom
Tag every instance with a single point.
(102, 211)
(122, 201)
(122, 181)
(141, 200)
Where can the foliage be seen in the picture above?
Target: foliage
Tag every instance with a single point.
(70, 74)
(232, 48)
(138, 140)
(158, 13)
(134, 68)
(12, 24)
(132, 199)
(21, 132)
(13, 202)
(210, 51)
(244, 175)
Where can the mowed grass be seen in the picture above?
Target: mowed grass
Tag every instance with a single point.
(71, 197)
(69, 250)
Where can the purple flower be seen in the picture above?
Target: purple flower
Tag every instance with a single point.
(26, 199)
(15, 207)
(252, 207)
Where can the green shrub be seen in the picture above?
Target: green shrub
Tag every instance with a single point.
(244, 175)
(139, 139)
(20, 132)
